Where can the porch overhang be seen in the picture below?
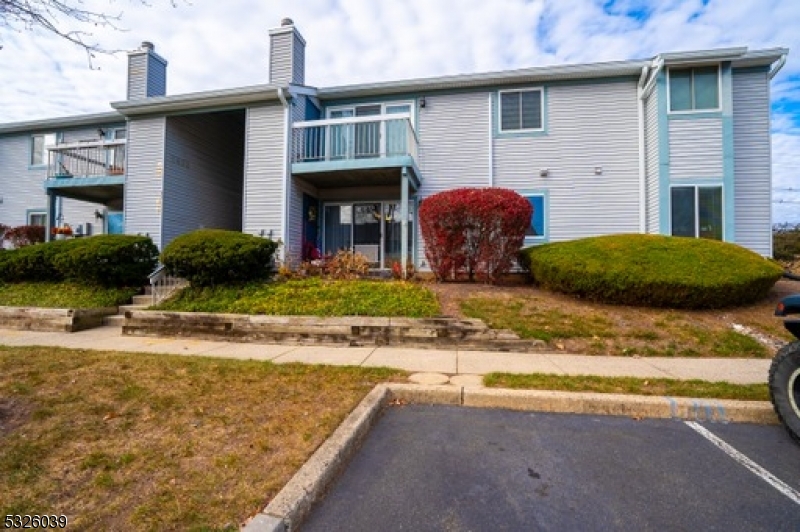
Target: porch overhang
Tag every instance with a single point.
(102, 189)
(358, 172)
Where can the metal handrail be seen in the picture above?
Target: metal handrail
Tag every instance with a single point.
(163, 285)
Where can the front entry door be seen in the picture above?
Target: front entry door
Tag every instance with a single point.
(367, 231)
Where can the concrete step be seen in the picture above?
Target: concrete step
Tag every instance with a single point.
(123, 308)
(116, 320)
(145, 299)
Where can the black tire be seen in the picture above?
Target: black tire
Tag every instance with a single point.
(784, 387)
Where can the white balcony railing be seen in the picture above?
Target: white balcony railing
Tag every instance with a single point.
(87, 159)
(364, 137)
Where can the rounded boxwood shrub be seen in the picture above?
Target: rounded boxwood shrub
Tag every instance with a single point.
(209, 257)
(33, 263)
(107, 260)
(653, 270)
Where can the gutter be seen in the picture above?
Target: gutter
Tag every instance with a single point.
(777, 68)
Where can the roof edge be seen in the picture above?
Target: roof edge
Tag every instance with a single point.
(197, 100)
(61, 122)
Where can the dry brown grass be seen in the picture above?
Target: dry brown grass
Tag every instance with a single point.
(572, 325)
(120, 441)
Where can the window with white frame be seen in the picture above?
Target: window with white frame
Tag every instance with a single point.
(537, 228)
(697, 211)
(521, 110)
(37, 218)
(39, 145)
(694, 89)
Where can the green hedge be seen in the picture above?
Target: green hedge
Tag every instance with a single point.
(653, 270)
(33, 263)
(108, 260)
(104, 260)
(209, 257)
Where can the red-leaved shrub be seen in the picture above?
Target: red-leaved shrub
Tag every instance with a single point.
(25, 235)
(477, 230)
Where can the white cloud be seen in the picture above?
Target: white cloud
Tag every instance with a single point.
(225, 44)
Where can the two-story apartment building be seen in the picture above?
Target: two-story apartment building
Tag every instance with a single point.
(677, 144)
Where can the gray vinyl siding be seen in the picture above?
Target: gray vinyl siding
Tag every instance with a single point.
(454, 135)
(299, 61)
(286, 59)
(587, 126)
(20, 186)
(156, 76)
(137, 76)
(695, 148)
(265, 166)
(143, 184)
(752, 161)
(203, 173)
(651, 141)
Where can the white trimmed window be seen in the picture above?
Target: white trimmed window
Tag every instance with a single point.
(37, 218)
(39, 145)
(697, 211)
(694, 89)
(521, 110)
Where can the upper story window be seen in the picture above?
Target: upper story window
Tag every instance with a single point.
(39, 145)
(694, 89)
(521, 110)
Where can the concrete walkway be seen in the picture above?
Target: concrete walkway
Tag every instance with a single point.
(450, 362)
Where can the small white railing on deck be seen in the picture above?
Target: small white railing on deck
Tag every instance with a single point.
(86, 159)
(361, 137)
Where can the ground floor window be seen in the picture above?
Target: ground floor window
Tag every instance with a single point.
(373, 229)
(697, 211)
(37, 218)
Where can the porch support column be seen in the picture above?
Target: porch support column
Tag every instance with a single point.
(404, 220)
(51, 216)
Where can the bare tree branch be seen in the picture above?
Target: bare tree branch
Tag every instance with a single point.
(60, 17)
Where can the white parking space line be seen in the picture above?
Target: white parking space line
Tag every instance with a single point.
(759, 471)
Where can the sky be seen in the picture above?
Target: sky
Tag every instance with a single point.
(213, 44)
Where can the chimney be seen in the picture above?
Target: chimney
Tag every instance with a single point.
(147, 73)
(287, 55)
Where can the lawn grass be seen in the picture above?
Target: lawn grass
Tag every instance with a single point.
(311, 297)
(574, 325)
(120, 441)
(62, 295)
(630, 385)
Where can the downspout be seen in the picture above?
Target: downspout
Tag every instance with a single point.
(642, 165)
(491, 143)
(647, 81)
(286, 170)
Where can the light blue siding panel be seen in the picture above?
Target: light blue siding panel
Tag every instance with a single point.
(265, 164)
(752, 161)
(589, 126)
(695, 148)
(143, 184)
(652, 163)
(203, 173)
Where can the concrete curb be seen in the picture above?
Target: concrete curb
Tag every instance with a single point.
(292, 504)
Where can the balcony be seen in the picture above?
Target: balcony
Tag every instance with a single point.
(89, 171)
(355, 150)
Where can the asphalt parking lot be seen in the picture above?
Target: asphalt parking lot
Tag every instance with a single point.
(462, 469)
